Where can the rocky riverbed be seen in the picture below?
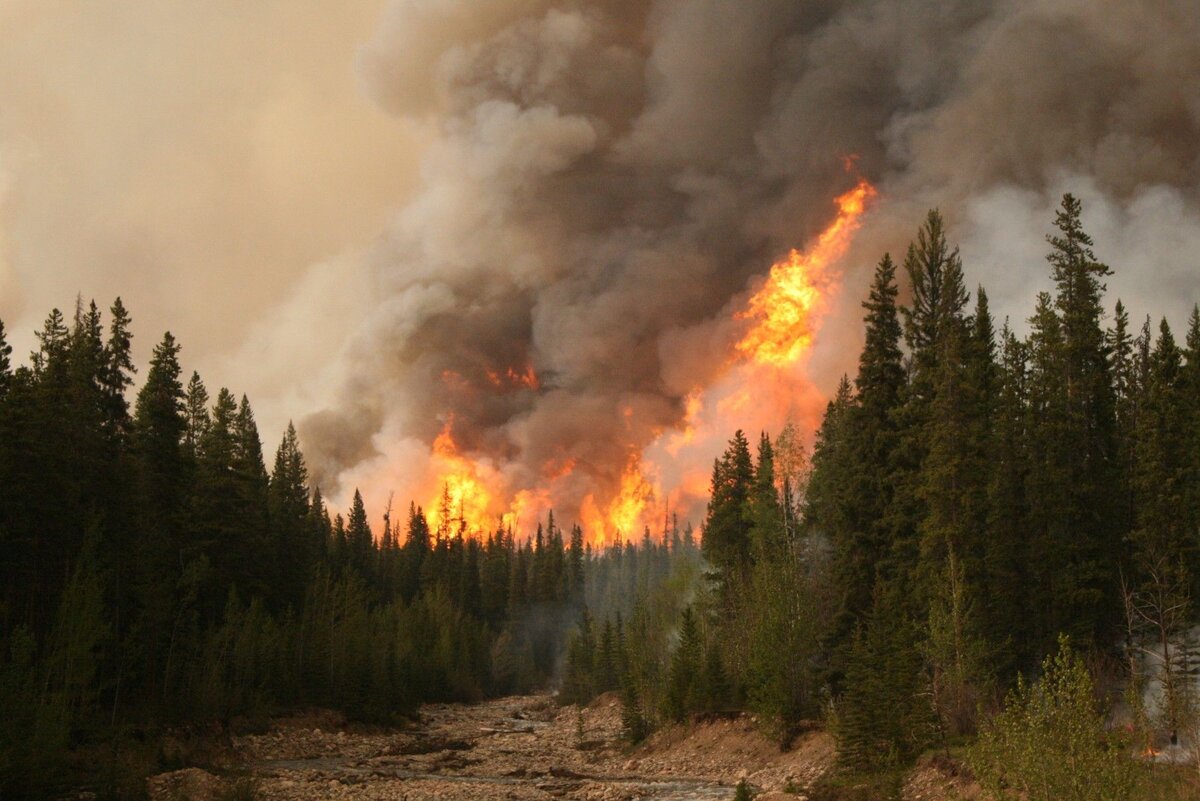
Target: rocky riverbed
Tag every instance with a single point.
(510, 748)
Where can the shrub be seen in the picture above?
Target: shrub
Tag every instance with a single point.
(1049, 743)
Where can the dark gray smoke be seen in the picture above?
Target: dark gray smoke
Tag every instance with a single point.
(607, 177)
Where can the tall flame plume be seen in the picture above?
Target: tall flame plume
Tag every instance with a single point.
(763, 383)
(784, 309)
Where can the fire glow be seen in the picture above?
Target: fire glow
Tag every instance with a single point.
(785, 309)
(763, 384)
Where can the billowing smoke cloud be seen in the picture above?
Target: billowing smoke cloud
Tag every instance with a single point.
(600, 184)
(607, 178)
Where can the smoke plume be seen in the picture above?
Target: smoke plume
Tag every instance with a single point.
(608, 179)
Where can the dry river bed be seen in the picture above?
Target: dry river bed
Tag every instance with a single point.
(510, 748)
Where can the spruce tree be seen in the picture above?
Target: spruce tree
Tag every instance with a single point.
(682, 691)
(5, 363)
(1090, 461)
(1006, 564)
(359, 540)
(853, 468)
(118, 368)
(727, 524)
(292, 549)
(934, 331)
(1163, 540)
(158, 428)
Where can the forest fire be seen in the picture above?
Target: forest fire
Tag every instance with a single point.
(784, 309)
(625, 513)
(464, 494)
(511, 378)
(762, 385)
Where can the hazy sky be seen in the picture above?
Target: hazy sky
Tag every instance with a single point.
(197, 158)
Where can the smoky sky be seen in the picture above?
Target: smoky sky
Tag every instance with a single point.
(599, 184)
(608, 178)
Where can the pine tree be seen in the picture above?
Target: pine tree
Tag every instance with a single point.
(1005, 556)
(1120, 346)
(1189, 406)
(1090, 460)
(118, 369)
(1163, 540)
(196, 415)
(958, 438)
(579, 682)
(727, 524)
(575, 567)
(935, 331)
(766, 509)
(287, 504)
(359, 540)
(682, 693)
(884, 720)
(832, 509)
(250, 474)
(5, 363)
(158, 428)
(853, 484)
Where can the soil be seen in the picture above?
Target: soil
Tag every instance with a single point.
(511, 748)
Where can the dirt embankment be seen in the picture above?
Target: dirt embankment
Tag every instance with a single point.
(510, 748)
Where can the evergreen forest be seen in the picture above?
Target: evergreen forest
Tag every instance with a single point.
(995, 532)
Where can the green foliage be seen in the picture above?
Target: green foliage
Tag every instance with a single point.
(957, 659)
(884, 719)
(634, 725)
(33, 739)
(728, 525)
(843, 785)
(1050, 744)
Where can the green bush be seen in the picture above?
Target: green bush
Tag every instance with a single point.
(1049, 743)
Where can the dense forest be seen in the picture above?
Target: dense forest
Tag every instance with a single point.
(996, 538)
(156, 574)
(989, 526)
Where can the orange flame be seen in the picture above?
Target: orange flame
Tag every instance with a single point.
(784, 306)
(512, 378)
(624, 512)
(463, 496)
(759, 385)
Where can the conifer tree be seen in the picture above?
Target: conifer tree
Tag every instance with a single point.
(1005, 558)
(287, 504)
(5, 363)
(884, 720)
(1089, 464)
(1119, 344)
(118, 368)
(682, 693)
(158, 428)
(359, 540)
(727, 525)
(832, 510)
(766, 509)
(1162, 539)
(934, 330)
(196, 415)
(958, 438)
